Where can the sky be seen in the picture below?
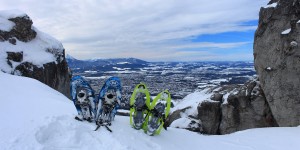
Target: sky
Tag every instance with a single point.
(152, 30)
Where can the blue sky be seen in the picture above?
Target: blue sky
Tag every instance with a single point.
(153, 30)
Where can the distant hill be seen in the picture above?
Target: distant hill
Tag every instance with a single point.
(103, 64)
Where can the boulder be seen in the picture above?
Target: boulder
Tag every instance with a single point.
(245, 110)
(277, 59)
(210, 115)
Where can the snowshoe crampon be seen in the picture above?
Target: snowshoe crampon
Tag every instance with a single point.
(139, 104)
(159, 111)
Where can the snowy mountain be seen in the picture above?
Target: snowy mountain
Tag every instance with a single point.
(101, 64)
(35, 117)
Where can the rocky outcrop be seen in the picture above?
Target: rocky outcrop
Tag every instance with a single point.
(28, 52)
(246, 109)
(229, 108)
(277, 59)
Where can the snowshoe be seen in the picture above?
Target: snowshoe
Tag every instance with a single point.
(109, 99)
(83, 98)
(139, 104)
(159, 111)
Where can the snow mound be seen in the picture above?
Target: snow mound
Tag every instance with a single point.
(26, 106)
(36, 117)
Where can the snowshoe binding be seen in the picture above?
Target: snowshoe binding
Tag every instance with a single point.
(106, 117)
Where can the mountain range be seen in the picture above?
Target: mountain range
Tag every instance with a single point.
(104, 64)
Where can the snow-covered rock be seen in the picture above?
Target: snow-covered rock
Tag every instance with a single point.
(26, 51)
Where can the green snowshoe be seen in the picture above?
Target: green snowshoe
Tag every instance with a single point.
(159, 111)
(139, 106)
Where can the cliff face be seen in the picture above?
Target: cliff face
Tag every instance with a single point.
(277, 59)
(26, 51)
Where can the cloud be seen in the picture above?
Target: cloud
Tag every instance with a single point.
(137, 28)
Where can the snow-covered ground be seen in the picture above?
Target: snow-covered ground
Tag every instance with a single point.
(36, 117)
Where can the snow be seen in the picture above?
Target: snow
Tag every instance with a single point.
(101, 77)
(298, 21)
(225, 97)
(218, 81)
(90, 71)
(287, 31)
(123, 63)
(181, 123)
(7, 14)
(294, 43)
(34, 51)
(192, 100)
(6, 25)
(121, 71)
(188, 78)
(36, 117)
(273, 5)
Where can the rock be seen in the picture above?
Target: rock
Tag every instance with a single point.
(217, 97)
(22, 30)
(277, 60)
(12, 41)
(15, 56)
(245, 107)
(245, 110)
(210, 115)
